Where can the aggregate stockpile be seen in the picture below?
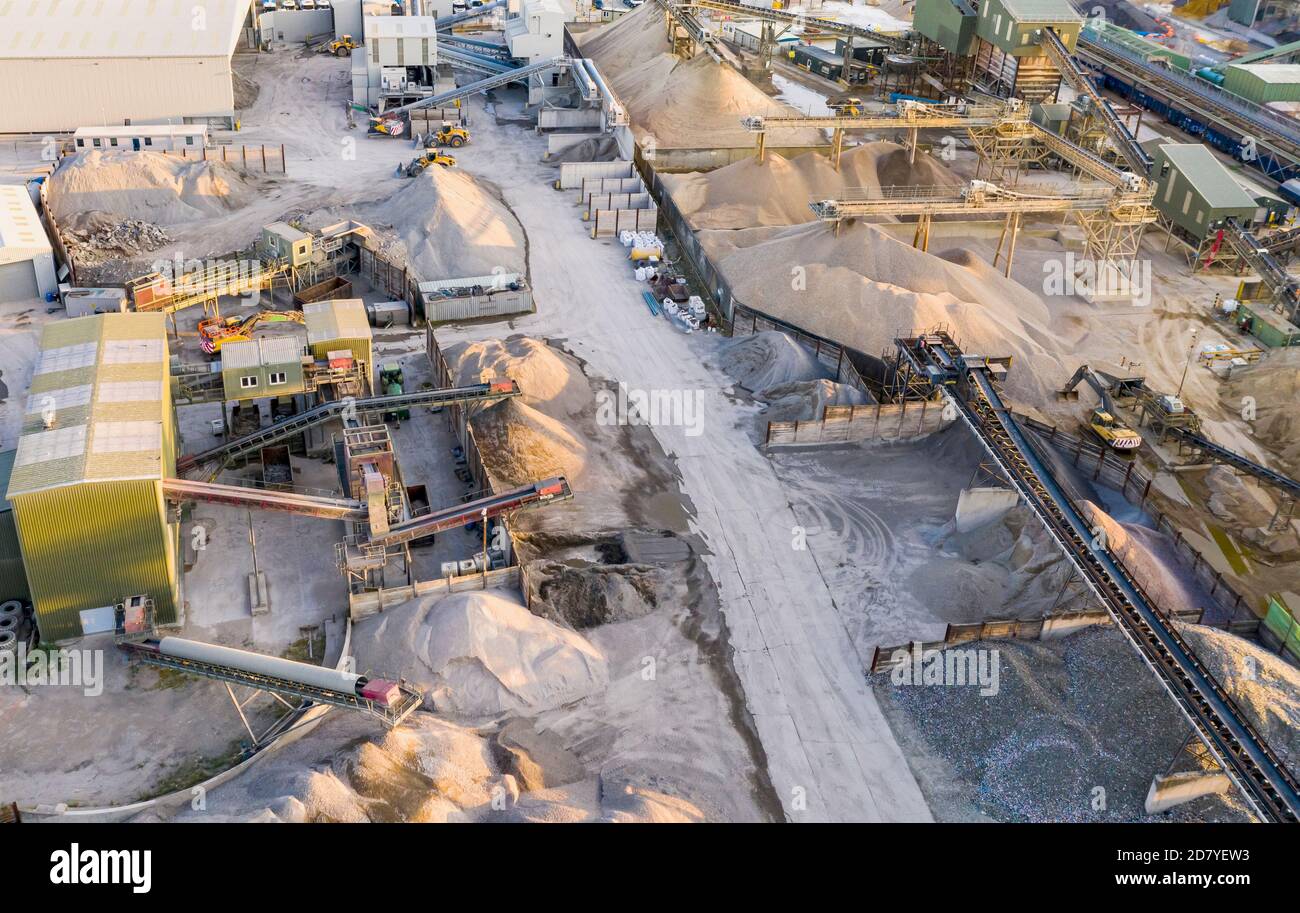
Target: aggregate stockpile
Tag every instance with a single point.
(447, 225)
(695, 103)
(1273, 385)
(862, 287)
(777, 191)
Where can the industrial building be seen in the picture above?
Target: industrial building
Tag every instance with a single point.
(13, 580)
(98, 438)
(262, 366)
(27, 268)
(143, 137)
(1262, 83)
(535, 30)
(1195, 192)
(399, 56)
(129, 62)
(340, 326)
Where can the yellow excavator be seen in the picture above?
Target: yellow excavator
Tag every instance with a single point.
(215, 332)
(448, 135)
(1102, 422)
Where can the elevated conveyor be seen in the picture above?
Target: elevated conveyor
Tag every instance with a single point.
(1221, 454)
(1119, 135)
(498, 79)
(549, 491)
(967, 382)
(450, 396)
(179, 490)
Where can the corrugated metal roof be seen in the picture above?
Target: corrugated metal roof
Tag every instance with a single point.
(22, 236)
(343, 318)
(98, 404)
(1272, 73)
(122, 28)
(1208, 175)
(263, 350)
(1042, 10)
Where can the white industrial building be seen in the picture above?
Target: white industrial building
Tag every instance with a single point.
(26, 255)
(399, 56)
(108, 63)
(535, 29)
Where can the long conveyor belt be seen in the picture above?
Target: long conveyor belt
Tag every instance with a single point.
(1239, 462)
(328, 508)
(462, 514)
(448, 396)
(1119, 134)
(1243, 754)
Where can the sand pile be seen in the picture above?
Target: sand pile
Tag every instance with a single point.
(802, 400)
(1144, 553)
(679, 103)
(1233, 500)
(769, 359)
(778, 190)
(594, 149)
(482, 654)
(146, 186)
(545, 375)
(447, 225)
(1265, 686)
(1037, 749)
(863, 288)
(1273, 387)
(598, 799)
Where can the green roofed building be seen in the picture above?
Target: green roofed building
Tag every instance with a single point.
(98, 438)
(340, 325)
(1195, 192)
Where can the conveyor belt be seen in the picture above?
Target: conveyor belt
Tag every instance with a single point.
(1286, 289)
(1239, 462)
(389, 716)
(463, 514)
(1124, 141)
(178, 490)
(1263, 779)
(446, 22)
(898, 42)
(491, 82)
(249, 443)
(1269, 130)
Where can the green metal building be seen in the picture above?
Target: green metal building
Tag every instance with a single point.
(263, 366)
(98, 438)
(1195, 191)
(340, 325)
(1263, 82)
(948, 23)
(1011, 25)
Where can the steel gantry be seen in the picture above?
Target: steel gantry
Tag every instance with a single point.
(1112, 218)
(1000, 132)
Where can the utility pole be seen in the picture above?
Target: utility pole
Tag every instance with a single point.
(1187, 364)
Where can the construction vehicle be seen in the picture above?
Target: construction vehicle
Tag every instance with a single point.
(341, 46)
(448, 135)
(391, 381)
(430, 157)
(1102, 422)
(387, 126)
(846, 106)
(214, 332)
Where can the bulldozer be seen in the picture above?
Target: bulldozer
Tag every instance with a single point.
(1102, 422)
(430, 157)
(448, 135)
(341, 46)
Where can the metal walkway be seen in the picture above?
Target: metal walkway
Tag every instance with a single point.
(450, 396)
(896, 41)
(491, 82)
(493, 66)
(437, 521)
(178, 490)
(445, 22)
(1124, 141)
(967, 382)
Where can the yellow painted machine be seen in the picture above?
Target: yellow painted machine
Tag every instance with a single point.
(430, 157)
(341, 47)
(449, 135)
(215, 332)
(1113, 433)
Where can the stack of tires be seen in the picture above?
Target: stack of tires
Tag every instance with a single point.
(11, 615)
